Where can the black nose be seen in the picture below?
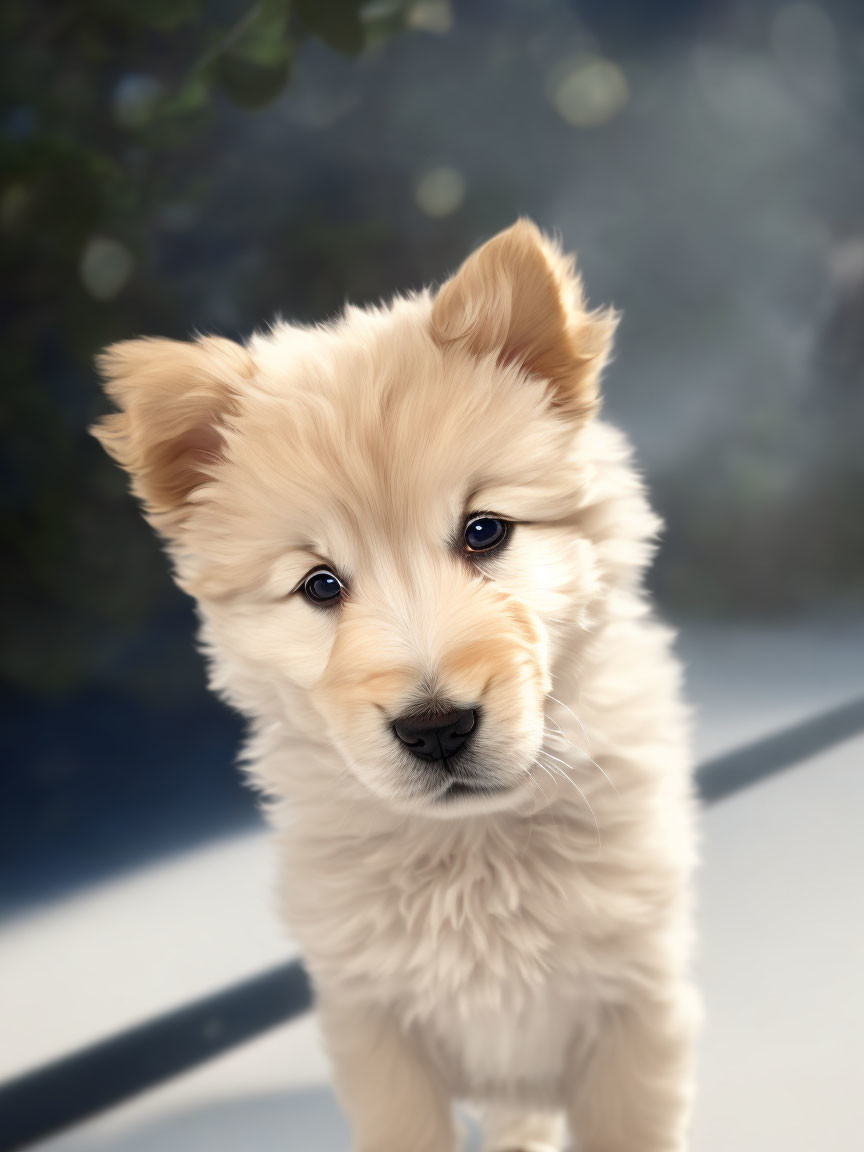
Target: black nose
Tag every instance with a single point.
(434, 737)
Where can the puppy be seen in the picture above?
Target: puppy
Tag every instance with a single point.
(417, 555)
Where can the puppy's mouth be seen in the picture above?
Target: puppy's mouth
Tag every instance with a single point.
(456, 775)
(462, 789)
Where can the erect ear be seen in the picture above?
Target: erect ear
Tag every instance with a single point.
(519, 297)
(174, 398)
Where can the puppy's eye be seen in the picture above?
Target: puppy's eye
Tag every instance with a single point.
(484, 533)
(322, 587)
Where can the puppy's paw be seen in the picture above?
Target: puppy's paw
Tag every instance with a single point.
(514, 1130)
(532, 1147)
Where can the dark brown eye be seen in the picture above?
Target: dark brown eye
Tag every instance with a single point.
(484, 533)
(322, 587)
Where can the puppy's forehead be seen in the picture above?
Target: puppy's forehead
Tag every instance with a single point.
(369, 425)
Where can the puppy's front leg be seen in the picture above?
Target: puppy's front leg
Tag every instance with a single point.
(634, 1094)
(392, 1097)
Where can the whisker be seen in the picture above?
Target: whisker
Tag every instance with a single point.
(540, 786)
(569, 767)
(549, 805)
(582, 752)
(559, 735)
(555, 700)
(573, 783)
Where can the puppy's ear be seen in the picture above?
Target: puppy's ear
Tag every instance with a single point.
(519, 297)
(174, 398)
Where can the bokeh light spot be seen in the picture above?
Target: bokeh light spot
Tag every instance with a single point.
(380, 10)
(105, 267)
(588, 92)
(430, 16)
(440, 191)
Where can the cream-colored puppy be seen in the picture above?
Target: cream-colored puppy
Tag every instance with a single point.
(418, 555)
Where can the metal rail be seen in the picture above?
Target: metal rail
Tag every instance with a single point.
(111, 1070)
(723, 775)
(95, 1078)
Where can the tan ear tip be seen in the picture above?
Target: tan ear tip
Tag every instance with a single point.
(527, 225)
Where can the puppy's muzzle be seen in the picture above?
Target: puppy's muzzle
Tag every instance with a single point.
(435, 737)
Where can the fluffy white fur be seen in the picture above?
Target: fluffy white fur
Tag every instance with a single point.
(525, 949)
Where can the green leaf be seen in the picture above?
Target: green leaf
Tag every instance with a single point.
(263, 38)
(192, 96)
(251, 85)
(337, 22)
(164, 15)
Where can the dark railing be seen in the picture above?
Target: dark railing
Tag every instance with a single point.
(95, 1078)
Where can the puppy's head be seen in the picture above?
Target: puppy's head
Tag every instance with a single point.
(378, 517)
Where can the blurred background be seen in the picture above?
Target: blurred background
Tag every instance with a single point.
(180, 165)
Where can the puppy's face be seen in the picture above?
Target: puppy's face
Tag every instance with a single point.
(379, 516)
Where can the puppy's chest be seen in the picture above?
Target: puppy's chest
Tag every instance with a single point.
(489, 968)
(476, 927)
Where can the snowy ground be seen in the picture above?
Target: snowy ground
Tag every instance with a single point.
(782, 929)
